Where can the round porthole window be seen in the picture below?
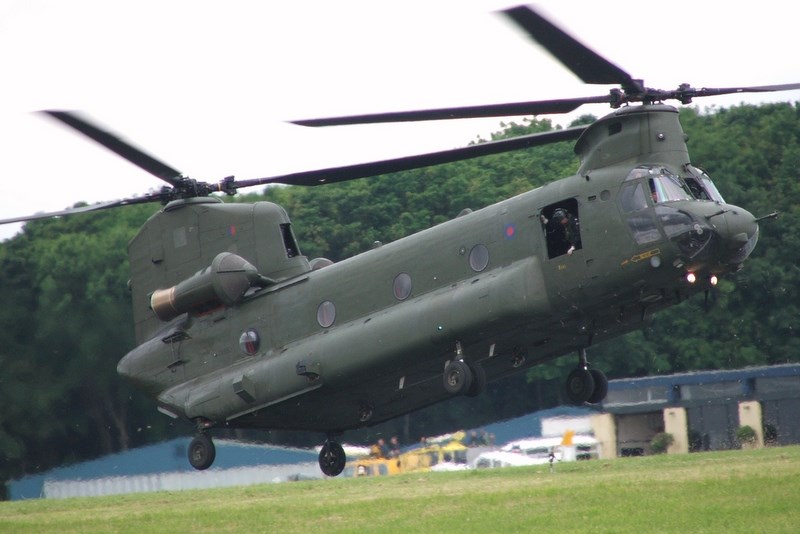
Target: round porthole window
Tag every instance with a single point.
(479, 257)
(326, 314)
(249, 342)
(402, 286)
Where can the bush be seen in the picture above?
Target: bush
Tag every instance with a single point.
(745, 435)
(661, 442)
(770, 435)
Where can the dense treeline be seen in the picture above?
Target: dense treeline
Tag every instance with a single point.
(67, 318)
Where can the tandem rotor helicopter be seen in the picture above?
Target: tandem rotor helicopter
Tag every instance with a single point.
(236, 328)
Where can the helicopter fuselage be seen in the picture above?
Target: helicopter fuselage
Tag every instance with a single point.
(369, 338)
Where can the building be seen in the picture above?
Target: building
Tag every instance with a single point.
(163, 467)
(702, 410)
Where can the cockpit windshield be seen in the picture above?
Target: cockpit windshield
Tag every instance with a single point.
(701, 185)
(666, 187)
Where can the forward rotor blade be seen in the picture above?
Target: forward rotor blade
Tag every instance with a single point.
(85, 209)
(363, 170)
(541, 107)
(136, 156)
(587, 65)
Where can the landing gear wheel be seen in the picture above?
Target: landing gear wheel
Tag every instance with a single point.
(457, 378)
(600, 386)
(332, 459)
(478, 380)
(202, 452)
(580, 386)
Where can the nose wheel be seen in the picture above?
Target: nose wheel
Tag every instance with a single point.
(332, 458)
(457, 378)
(586, 385)
(462, 379)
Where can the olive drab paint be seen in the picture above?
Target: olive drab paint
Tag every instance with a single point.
(387, 354)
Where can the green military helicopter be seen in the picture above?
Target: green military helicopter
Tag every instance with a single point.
(237, 328)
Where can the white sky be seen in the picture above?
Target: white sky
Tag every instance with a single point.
(206, 86)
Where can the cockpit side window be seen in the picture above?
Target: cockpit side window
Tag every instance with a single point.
(633, 203)
(632, 197)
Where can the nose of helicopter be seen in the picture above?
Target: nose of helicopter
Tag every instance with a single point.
(739, 232)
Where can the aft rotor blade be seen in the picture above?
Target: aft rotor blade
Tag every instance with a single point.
(363, 170)
(85, 209)
(714, 91)
(540, 107)
(118, 146)
(587, 64)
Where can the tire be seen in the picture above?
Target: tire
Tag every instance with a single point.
(332, 459)
(202, 452)
(600, 387)
(580, 386)
(457, 378)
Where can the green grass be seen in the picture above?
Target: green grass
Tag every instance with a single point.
(735, 491)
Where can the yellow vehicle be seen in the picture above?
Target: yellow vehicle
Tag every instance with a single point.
(448, 450)
(371, 467)
(451, 450)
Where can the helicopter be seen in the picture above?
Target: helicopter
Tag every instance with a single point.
(236, 328)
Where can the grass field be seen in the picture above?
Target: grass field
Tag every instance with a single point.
(734, 491)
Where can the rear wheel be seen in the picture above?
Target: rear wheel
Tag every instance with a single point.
(332, 459)
(580, 386)
(202, 452)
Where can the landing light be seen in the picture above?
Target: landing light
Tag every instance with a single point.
(691, 278)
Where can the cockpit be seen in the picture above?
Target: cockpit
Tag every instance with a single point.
(689, 211)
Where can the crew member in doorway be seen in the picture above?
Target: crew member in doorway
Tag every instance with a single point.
(563, 232)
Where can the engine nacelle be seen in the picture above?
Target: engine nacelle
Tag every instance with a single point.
(224, 282)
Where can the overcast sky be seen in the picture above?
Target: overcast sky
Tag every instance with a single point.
(207, 86)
